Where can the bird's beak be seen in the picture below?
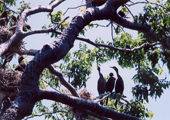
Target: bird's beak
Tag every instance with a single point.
(112, 67)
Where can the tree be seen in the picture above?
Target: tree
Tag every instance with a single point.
(143, 53)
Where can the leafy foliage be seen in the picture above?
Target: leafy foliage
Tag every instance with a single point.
(79, 65)
(148, 84)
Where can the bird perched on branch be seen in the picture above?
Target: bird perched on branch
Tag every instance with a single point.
(101, 86)
(122, 14)
(119, 88)
(21, 66)
(110, 84)
(8, 57)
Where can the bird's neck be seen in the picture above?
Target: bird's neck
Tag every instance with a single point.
(117, 73)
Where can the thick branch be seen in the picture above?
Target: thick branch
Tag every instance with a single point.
(19, 34)
(141, 27)
(81, 103)
(117, 48)
(24, 51)
(73, 91)
(63, 81)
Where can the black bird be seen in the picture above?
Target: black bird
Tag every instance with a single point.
(110, 84)
(21, 65)
(101, 86)
(122, 14)
(8, 57)
(119, 88)
(4, 19)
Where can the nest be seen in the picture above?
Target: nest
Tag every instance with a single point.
(10, 83)
(77, 113)
(85, 94)
(5, 34)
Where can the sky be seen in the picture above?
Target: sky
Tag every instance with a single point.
(159, 107)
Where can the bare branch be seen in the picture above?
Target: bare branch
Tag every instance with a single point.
(61, 22)
(102, 95)
(116, 48)
(130, 12)
(112, 31)
(147, 2)
(100, 25)
(51, 86)
(45, 30)
(63, 81)
(87, 105)
(41, 31)
(24, 51)
(73, 8)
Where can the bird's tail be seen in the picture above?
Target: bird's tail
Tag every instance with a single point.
(101, 102)
(107, 100)
(116, 103)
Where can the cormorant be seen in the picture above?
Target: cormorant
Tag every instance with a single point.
(8, 58)
(101, 86)
(21, 65)
(119, 88)
(122, 14)
(4, 19)
(110, 84)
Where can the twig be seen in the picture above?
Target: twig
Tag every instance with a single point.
(130, 12)
(134, 3)
(112, 31)
(116, 48)
(52, 19)
(101, 95)
(61, 22)
(104, 97)
(51, 86)
(73, 8)
(63, 81)
(100, 25)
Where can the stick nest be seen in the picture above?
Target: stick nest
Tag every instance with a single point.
(5, 34)
(79, 115)
(10, 82)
